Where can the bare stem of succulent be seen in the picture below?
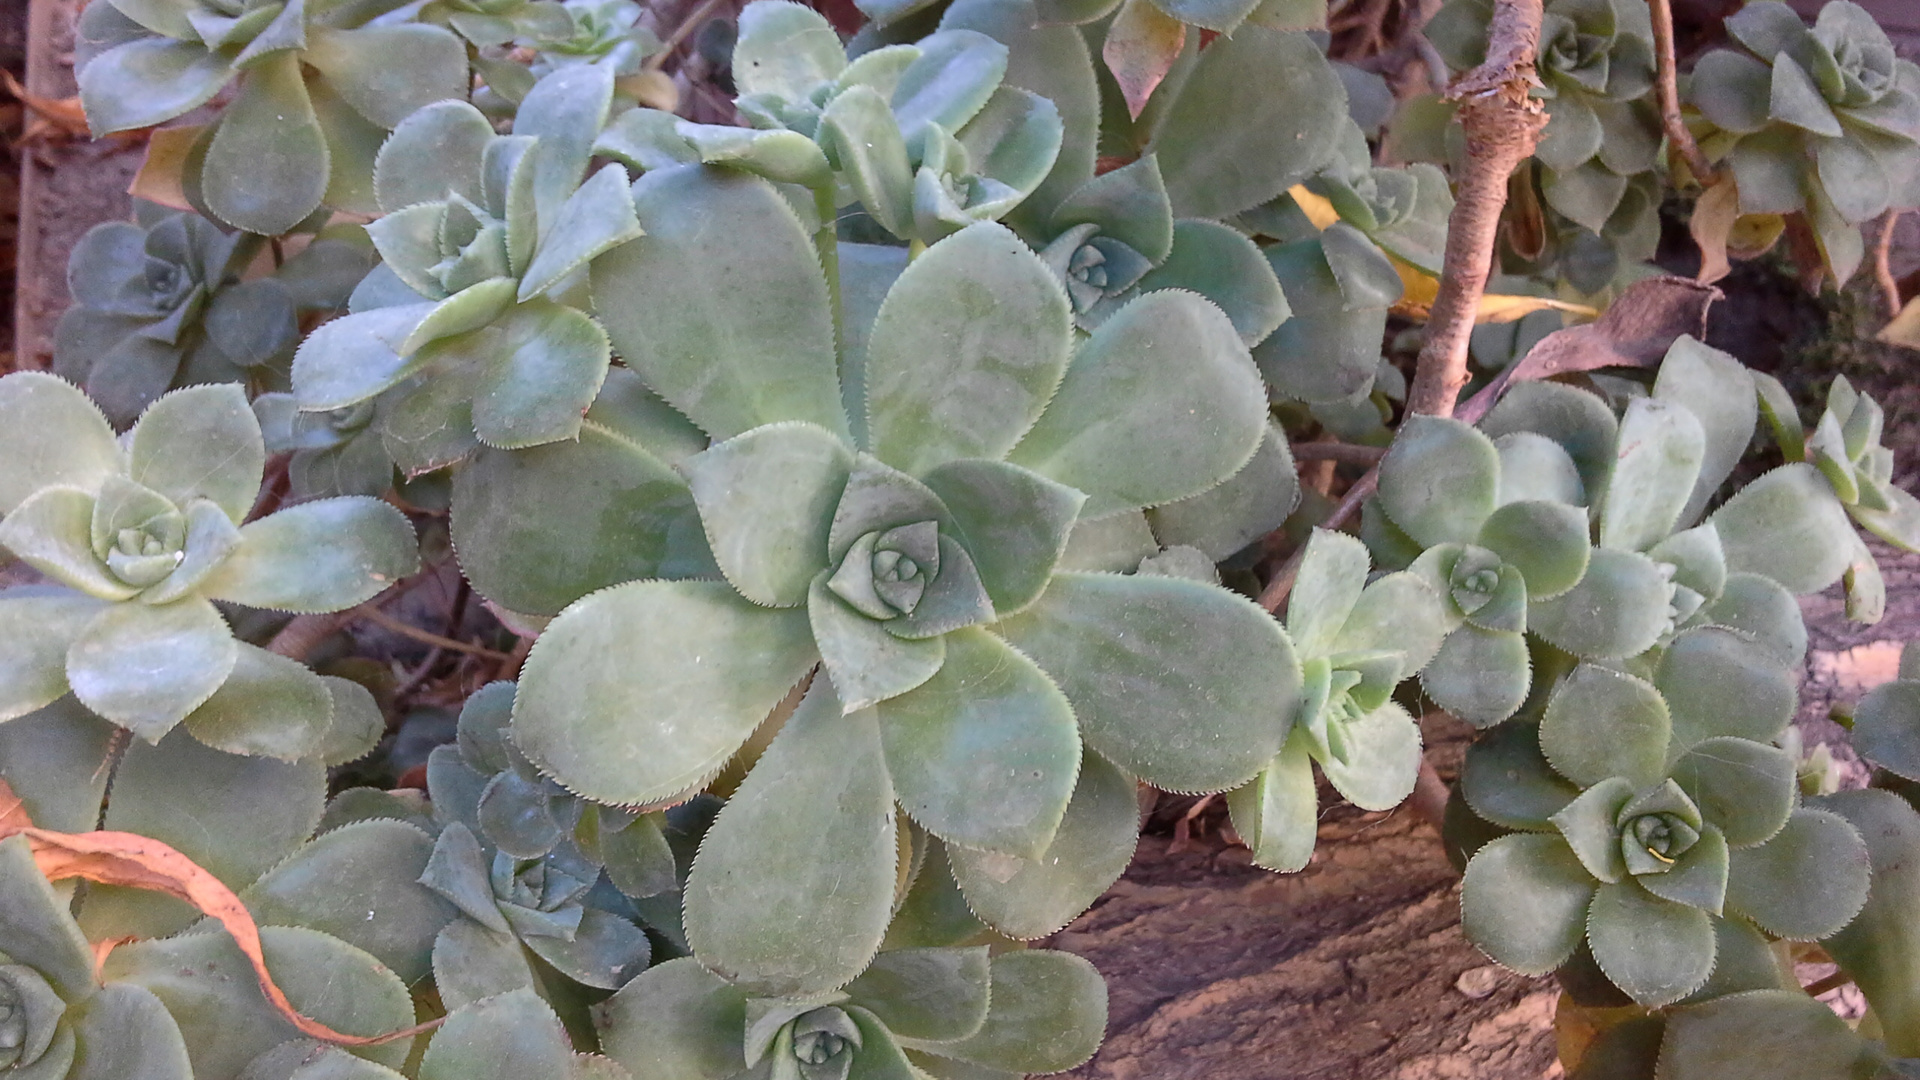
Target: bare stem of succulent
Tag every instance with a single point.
(1344, 453)
(1667, 85)
(299, 637)
(680, 33)
(1502, 123)
(1883, 264)
(1430, 795)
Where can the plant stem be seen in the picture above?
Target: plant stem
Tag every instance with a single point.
(1344, 453)
(827, 242)
(687, 26)
(382, 619)
(1667, 84)
(1883, 264)
(1502, 123)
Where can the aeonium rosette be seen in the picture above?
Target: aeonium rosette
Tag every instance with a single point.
(962, 675)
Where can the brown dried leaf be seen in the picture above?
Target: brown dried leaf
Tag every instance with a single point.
(1142, 45)
(118, 858)
(59, 119)
(1636, 331)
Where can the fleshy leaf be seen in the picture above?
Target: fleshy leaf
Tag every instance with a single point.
(676, 1019)
(1655, 950)
(1259, 113)
(1480, 676)
(1619, 609)
(1762, 1034)
(984, 754)
(1120, 396)
(269, 705)
(1662, 445)
(1744, 787)
(866, 663)
(39, 627)
(1440, 480)
(50, 434)
(1507, 781)
(767, 499)
(266, 167)
(786, 49)
(1720, 682)
(146, 667)
(1805, 883)
(935, 995)
(644, 690)
(1524, 902)
(1181, 684)
(1719, 391)
(1788, 526)
(1047, 1013)
(946, 381)
(813, 819)
(1601, 723)
(319, 556)
(512, 1035)
(1277, 814)
(724, 281)
(1545, 541)
(1031, 898)
(1014, 522)
(1381, 759)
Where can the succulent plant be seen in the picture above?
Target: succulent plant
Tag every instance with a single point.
(1596, 71)
(51, 1005)
(596, 32)
(319, 87)
(477, 335)
(497, 22)
(1844, 446)
(159, 305)
(911, 1012)
(521, 859)
(917, 563)
(1648, 809)
(925, 135)
(1356, 642)
(1502, 531)
(142, 539)
(1822, 121)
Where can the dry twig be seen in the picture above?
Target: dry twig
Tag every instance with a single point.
(1883, 264)
(1667, 85)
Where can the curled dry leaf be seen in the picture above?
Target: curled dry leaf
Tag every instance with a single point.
(160, 177)
(1636, 331)
(118, 858)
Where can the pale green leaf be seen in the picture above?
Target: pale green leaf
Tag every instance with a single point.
(1480, 676)
(388, 72)
(501, 1038)
(1662, 445)
(1655, 950)
(813, 821)
(202, 442)
(1120, 396)
(1524, 902)
(1601, 723)
(676, 1021)
(1440, 480)
(865, 662)
(1507, 781)
(146, 668)
(39, 628)
(1048, 1013)
(270, 706)
(1805, 883)
(1718, 681)
(1619, 609)
(50, 434)
(265, 169)
(946, 380)
(786, 50)
(721, 306)
(633, 725)
(318, 556)
(983, 754)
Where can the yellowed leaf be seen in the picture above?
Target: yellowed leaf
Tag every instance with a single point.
(1904, 330)
(1141, 46)
(1419, 289)
(161, 176)
(1316, 207)
(651, 88)
(1714, 214)
(141, 862)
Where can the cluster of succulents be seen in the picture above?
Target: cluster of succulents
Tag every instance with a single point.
(881, 483)
(1821, 121)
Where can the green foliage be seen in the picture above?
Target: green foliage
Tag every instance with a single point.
(883, 483)
(141, 540)
(1823, 122)
(318, 87)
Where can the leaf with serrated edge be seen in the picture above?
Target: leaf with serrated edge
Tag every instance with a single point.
(644, 690)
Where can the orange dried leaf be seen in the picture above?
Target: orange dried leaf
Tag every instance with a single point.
(58, 116)
(141, 862)
(1713, 216)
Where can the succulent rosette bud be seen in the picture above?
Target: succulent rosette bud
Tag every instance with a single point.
(1356, 641)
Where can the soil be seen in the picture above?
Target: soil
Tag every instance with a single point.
(1217, 969)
